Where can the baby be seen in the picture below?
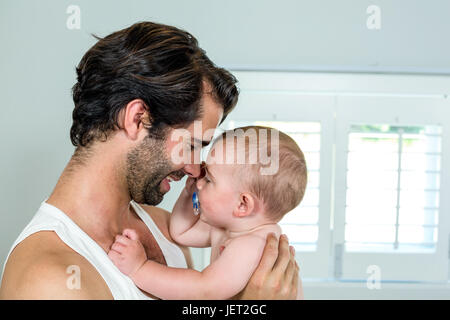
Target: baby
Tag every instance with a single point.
(239, 207)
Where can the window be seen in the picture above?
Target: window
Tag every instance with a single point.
(390, 173)
(392, 198)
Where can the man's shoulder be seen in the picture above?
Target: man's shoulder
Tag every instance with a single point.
(42, 246)
(43, 267)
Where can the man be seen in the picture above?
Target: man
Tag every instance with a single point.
(135, 87)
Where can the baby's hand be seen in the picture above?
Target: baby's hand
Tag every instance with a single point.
(127, 252)
(189, 188)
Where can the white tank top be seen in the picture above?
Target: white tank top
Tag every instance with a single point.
(50, 218)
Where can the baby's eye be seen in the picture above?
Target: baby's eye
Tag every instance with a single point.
(207, 180)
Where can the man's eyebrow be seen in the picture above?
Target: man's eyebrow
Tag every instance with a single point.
(202, 142)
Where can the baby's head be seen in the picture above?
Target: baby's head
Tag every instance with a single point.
(257, 173)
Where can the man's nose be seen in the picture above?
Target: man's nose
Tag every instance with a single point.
(192, 170)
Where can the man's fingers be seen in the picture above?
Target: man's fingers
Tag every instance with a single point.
(296, 281)
(284, 255)
(270, 254)
(292, 249)
(291, 268)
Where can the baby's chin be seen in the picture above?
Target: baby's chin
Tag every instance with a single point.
(202, 217)
(205, 220)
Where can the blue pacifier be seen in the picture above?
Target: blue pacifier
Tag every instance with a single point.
(195, 200)
(195, 203)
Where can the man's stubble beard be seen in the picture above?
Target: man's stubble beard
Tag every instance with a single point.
(147, 166)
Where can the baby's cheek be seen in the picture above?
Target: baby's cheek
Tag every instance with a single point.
(212, 202)
(207, 205)
(203, 198)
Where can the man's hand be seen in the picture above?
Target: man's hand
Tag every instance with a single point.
(127, 252)
(276, 277)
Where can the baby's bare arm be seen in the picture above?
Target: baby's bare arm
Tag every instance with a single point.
(185, 227)
(224, 278)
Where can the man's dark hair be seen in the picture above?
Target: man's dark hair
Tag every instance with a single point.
(160, 64)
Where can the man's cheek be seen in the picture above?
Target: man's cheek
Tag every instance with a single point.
(177, 149)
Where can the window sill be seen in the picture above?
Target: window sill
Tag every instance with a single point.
(358, 290)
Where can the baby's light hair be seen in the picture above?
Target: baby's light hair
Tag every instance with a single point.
(281, 191)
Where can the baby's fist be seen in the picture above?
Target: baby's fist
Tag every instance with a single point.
(127, 252)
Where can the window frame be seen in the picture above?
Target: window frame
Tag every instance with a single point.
(402, 266)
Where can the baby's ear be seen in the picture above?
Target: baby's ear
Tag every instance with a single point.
(247, 205)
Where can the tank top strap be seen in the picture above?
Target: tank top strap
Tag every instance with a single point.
(172, 253)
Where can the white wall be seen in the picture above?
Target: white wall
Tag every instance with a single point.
(38, 56)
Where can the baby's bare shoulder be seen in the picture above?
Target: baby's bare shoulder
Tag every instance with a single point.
(255, 239)
(264, 231)
(249, 239)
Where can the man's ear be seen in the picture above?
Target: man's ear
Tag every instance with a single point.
(246, 207)
(133, 118)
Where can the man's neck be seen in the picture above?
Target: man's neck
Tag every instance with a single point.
(95, 196)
